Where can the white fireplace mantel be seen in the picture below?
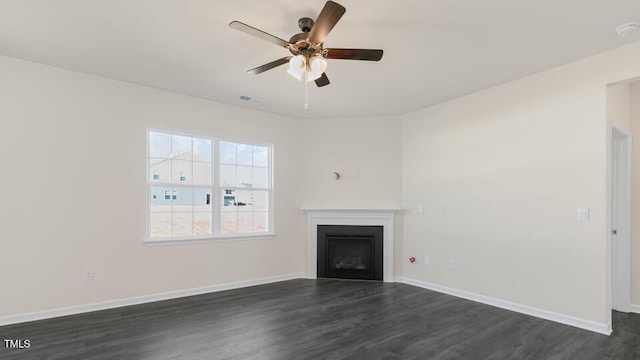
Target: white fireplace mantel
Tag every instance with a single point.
(363, 217)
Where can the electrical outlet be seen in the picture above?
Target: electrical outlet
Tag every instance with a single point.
(453, 264)
(88, 274)
(427, 260)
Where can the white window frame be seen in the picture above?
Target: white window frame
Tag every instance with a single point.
(217, 197)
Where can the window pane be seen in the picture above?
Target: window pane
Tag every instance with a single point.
(181, 172)
(229, 223)
(202, 199)
(202, 150)
(261, 200)
(160, 170)
(245, 222)
(260, 178)
(201, 223)
(227, 152)
(201, 173)
(244, 200)
(261, 221)
(158, 201)
(229, 200)
(181, 224)
(181, 147)
(160, 224)
(159, 145)
(260, 156)
(245, 154)
(245, 176)
(228, 175)
(182, 199)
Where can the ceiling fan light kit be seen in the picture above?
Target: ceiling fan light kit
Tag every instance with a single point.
(307, 47)
(310, 68)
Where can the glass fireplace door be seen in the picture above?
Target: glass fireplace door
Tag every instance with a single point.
(350, 257)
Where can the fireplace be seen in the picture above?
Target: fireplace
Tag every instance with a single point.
(381, 217)
(350, 252)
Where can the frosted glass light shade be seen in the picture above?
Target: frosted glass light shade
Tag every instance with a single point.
(297, 66)
(314, 67)
(317, 66)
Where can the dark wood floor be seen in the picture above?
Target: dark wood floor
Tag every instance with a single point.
(323, 319)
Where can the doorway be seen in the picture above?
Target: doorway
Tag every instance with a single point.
(620, 220)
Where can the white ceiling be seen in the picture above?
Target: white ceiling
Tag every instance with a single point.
(434, 50)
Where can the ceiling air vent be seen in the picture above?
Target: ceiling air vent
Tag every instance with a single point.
(246, 98)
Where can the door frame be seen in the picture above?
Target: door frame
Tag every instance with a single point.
(620, 221)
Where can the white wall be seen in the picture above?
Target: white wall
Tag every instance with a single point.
(501, 174)
(635, 194)
(74, 190)
(367, 152)
(618, 106)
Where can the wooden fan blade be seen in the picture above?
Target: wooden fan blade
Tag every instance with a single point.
(269, 66)
(323, 80)
(329, 16)
(258, 33)
(353, 54)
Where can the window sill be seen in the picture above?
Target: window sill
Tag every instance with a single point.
(161, 242)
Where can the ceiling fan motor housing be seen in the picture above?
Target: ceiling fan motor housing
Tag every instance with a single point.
(305, 24)
(299, 42)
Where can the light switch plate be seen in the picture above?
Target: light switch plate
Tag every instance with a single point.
(583, 214)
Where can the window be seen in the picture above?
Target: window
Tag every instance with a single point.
(188, 173)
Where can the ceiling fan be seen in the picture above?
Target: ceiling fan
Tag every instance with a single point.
(308, 54)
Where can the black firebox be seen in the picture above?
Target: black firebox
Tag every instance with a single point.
(350, 252)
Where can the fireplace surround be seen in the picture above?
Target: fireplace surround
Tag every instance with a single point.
(355, 217)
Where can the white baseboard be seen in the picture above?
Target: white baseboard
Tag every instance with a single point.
(78, 309)
(634, 308)
(601, 328)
